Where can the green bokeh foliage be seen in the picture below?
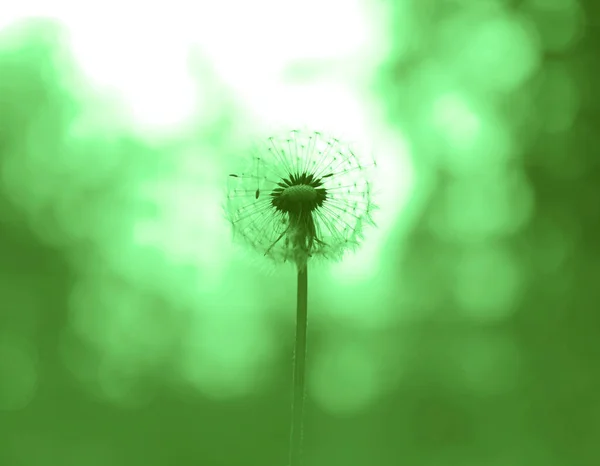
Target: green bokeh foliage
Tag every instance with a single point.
(129, 334)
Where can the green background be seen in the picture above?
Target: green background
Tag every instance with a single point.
(133, 330)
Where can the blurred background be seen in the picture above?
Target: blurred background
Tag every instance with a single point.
(464, 331)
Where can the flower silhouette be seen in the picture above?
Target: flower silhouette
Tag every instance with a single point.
(301, 195)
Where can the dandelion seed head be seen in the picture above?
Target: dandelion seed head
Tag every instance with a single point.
(301, 195)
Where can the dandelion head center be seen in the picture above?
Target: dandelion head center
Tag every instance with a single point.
(301, 194)
(298, 194)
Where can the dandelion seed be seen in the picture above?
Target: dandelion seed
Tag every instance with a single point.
(304, 195)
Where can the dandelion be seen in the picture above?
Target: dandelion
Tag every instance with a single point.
(301, 196)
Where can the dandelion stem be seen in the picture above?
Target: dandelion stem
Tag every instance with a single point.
(299, 368)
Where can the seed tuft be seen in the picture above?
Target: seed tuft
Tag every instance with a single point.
(319, 196)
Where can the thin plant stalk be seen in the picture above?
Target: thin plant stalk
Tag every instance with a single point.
(296, 437)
